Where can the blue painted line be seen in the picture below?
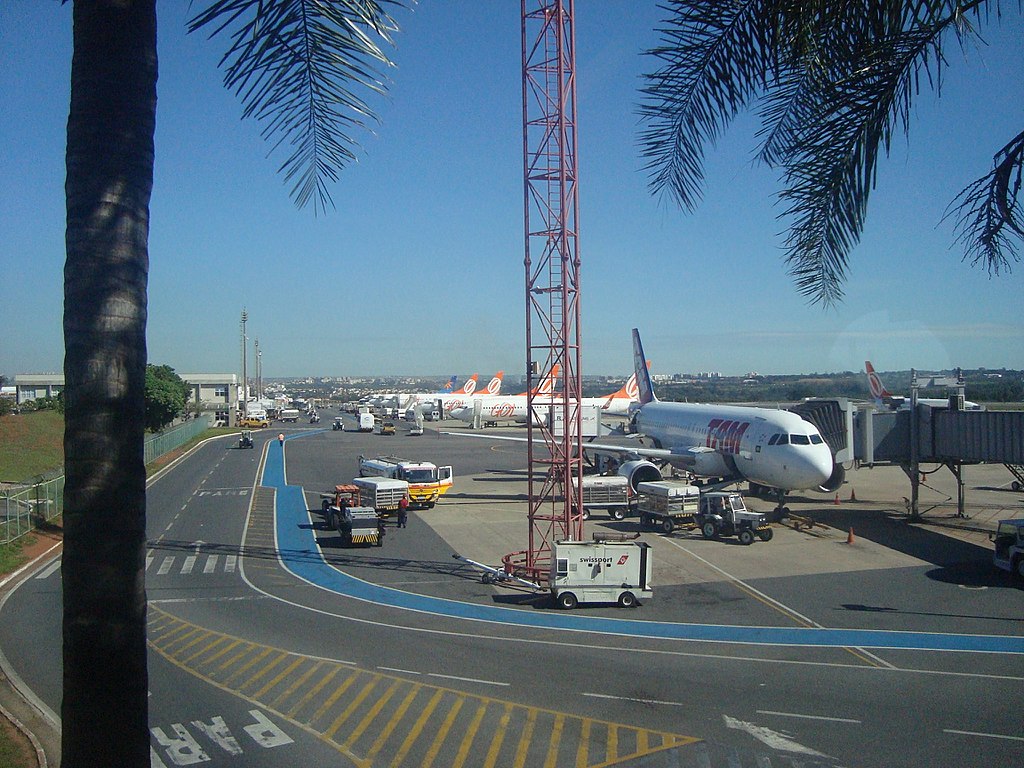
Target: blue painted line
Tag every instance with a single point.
(299, 553)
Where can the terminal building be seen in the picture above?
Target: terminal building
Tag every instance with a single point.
(217, 393)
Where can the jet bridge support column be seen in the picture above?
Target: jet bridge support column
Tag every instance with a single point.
(915, 448)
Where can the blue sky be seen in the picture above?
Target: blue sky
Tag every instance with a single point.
(419, 270)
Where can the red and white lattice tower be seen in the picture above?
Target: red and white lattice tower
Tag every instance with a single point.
(552, 282)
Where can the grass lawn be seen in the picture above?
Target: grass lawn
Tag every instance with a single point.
(30, 444)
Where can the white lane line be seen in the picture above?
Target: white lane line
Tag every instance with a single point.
(772, 601)
(211, 564)
(48, 570)
(984, 735)
(150, 557)
(466, 679)
(189, 564)
(630, 698)
(165, 566)
(229, 563)
(400, 671)
(808, 717)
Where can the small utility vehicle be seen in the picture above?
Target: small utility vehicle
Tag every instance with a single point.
(724, 514)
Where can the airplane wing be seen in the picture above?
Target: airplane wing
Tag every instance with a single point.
(624, 452)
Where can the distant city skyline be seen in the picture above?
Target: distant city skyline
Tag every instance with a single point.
(420, 268)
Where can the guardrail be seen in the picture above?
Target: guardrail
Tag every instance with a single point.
(24, 509)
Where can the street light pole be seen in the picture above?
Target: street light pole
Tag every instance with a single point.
(245, 383)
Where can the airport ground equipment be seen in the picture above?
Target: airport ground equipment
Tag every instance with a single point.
(344, 513)
(427, 481)
(1009, 547)
(724, 514)
(245, 439)
(609, 492)
(387, 427)
(381, 493)
(612, 568)
(667, 504)
(290, 415)
(491, 575)
(255, 422)
(338, 424)
(366, 421)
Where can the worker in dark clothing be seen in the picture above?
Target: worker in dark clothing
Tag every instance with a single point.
(403, 511)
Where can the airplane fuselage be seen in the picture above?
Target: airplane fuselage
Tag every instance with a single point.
(775, 448)
(514, 408)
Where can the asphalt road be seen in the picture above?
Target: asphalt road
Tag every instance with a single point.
(270, 649)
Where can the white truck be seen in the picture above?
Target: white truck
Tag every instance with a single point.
(609, 492)
(366, 421)
(667, 504)
(609, 569)
(381, 493)
(427, 481)
(724, 514)
(289, 414)
(1009, 547)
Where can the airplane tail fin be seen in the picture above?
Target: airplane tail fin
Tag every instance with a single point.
(547, 384)
(447, 388)
(628, 391)
(494, 385)
(469, 387)
(878, 391)
(640, 372)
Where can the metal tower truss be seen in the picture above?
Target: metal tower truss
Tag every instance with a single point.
(552, 263)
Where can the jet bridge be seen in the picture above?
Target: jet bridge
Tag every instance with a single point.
(860, 434)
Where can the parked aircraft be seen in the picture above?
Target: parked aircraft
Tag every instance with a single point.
(513, 408)
(884, 398)
(769, 448)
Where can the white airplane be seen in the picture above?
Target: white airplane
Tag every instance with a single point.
(885, 399)
(514, 408)
(767, 447)
(459, 398)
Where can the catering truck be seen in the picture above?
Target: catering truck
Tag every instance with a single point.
(381, 493)
(612, 568)
(366, 421)
(427, 481)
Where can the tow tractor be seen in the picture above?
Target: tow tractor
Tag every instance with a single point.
(245, 439)
(1009, 547)
(344, 513)
(724, 514)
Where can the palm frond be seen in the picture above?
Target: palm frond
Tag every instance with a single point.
(990, 223)
(299, 67)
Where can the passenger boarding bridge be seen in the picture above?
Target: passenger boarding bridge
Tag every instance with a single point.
(859, 434)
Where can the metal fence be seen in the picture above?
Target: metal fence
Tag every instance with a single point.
(23, 509)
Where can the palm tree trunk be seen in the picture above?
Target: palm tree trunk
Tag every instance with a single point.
(109, 180)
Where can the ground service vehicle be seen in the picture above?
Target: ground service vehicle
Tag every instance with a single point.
(338, 424)
(427, 482)
(387, 428)
(605, 570)
(667, 504)
(381, 493)
(255, 422)
(245, 439)
(1009, 551)
(289, 414)
(724, 514)
(366, 421)
(609, 492)
(356, 524)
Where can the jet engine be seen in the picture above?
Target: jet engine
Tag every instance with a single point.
(639, 471)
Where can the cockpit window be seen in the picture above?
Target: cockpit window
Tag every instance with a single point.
(774, 439)
(783, 440)
(799, 440)
(816, 440)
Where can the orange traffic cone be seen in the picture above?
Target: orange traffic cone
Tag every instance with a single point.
(836, 500)
(849, 536)
(853, 494)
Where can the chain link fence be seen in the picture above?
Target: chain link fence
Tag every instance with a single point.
(29, 507)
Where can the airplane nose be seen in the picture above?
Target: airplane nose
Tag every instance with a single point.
(818, 466)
